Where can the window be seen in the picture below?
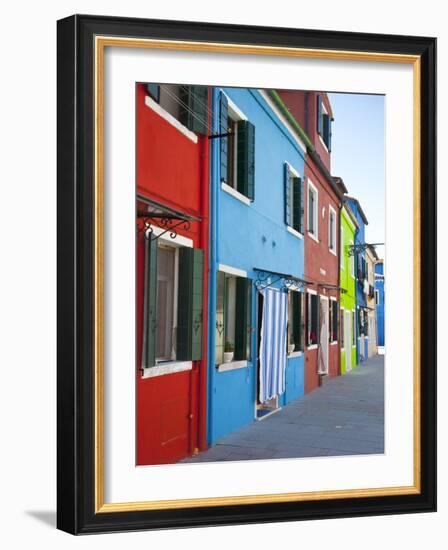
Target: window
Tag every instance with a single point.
(293, 199)
(342, 329)
(362, 322)
(237, 149)
(233, 316)
(295, 321)
(352, 261)
(313, 209)
(323, 122)
(342, 250)
(187, 104)
(353, 329)
(377, 297)
(312, 319)
(166, 317)
(332, 230)
(333, 332)
(173, 305)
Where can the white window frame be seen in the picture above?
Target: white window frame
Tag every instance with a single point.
(170, 367)
(330, 328)
(324, 111)
(164, 244)
(341, 249)
(353, 325)
(314, 189)
(295, 174)
(236, 115)
(312, 346)
(331, 211)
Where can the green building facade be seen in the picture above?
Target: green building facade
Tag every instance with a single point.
(348, 291)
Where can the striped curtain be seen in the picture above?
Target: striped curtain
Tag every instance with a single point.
(273, 344)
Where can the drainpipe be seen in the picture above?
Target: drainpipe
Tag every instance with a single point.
(213, 247)
(204, 235)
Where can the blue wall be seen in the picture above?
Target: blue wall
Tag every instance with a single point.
(247, 236)
(379, 286)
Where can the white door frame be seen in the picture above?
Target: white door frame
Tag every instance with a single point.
(348, 339)
(326, 355)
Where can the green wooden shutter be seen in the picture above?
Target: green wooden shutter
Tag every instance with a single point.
(288, 196)
(190, 304)
(297, 204)
(302, 206)
(243, 318)
(220, 328)
(319, 121)
(194, 108)
(223, 129)
(154, 91)
(246, 159)
(150, 312)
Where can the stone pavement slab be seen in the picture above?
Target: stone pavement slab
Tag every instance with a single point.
(345, 416)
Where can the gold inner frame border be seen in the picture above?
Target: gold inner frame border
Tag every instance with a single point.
(101, 42)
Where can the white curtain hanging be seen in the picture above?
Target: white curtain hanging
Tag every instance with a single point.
(273, 344)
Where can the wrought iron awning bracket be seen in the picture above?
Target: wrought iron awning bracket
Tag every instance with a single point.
(288, 281)
(168, 224)
(361, 247)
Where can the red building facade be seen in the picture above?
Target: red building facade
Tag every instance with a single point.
(323, 199)
(172, 171)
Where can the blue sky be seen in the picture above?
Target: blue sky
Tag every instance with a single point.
(358, 155)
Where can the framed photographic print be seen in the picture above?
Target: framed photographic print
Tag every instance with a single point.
(246, 274)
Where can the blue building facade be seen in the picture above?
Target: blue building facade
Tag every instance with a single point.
(362, 285)
(379, 300)
(256, 242)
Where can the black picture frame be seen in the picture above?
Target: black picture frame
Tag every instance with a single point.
(76, 259)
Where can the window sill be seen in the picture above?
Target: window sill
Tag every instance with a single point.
(333, 252)
(294, 354)
(333, 343)
(313, 346)
(312, 236)
(294, 232)
(233, 365)
(170, 367)
(170, 119)
(235, 194)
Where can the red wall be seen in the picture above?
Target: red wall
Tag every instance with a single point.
(303, 106)
(172, 169)
(317, 257)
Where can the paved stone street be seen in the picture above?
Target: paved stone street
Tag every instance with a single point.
(343, 417)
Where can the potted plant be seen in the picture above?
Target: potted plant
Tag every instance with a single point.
(291, 346)
(228, 351)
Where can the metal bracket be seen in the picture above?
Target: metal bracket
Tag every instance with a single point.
(217, 136)
(361, 247)
(288, 281)
(167, 223)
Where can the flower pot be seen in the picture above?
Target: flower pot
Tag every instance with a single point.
(228, 356)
